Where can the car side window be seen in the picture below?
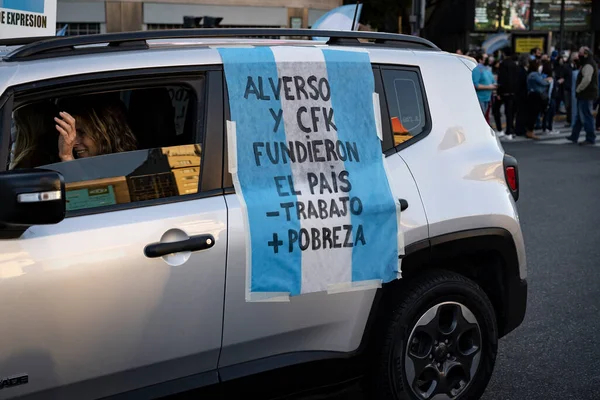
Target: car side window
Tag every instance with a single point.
(114, 147)
(406, 104)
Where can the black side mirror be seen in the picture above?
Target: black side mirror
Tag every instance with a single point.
(30, 197)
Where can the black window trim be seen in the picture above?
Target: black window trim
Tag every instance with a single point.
(386, 124)
(6, 107)
(213, 118)
(227, 177)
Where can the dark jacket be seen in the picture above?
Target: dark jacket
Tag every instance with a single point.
(522, 85)
(590, 92)
(565, 72)
(508, 77)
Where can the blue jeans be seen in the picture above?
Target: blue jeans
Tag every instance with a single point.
(484, 105)
(549, 115)
(584, 120)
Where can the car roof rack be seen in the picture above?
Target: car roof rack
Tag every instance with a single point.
(65, 45)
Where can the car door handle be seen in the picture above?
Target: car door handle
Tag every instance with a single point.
(403, 204)
(194, 243)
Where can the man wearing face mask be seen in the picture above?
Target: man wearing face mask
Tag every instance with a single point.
(586, 89)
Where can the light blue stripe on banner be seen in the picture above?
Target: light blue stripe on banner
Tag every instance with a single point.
(36, 6)
(271, 272)
(351, 75)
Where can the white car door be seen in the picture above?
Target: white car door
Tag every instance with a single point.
(127, 291)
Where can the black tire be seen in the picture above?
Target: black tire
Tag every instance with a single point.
(390, 380)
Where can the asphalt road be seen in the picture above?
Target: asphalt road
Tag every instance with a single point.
(555, 353)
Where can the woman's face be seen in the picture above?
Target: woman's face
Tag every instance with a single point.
(85, 145)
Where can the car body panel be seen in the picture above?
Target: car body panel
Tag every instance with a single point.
(459, 167)
(85, 307)
(311, 322)
(81, 300)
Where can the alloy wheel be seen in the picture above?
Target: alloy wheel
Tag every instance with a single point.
(443, 352)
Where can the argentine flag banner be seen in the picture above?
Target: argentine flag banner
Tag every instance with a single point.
(305, 154)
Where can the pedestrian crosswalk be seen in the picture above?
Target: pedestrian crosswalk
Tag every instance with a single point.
(563, 141)
(557, 138)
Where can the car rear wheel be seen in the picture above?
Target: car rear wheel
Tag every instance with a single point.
(438, 341)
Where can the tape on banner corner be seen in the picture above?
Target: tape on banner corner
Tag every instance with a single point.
(232, 146)
(267, 297)
(353, 286)
(377, 111)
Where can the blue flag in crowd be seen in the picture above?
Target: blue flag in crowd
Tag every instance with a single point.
(62, 31)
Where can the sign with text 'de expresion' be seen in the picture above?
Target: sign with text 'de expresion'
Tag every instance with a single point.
(26, 18)
(306, 160)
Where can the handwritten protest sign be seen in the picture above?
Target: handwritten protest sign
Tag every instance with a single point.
(307, 165)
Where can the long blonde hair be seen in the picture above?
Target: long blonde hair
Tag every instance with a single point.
(108, 125)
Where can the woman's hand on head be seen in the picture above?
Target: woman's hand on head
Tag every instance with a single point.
(67, 134)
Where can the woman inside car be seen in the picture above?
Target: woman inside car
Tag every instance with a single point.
(35, 139)
(93, 128)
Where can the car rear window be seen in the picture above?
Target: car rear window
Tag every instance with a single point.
(406, 104)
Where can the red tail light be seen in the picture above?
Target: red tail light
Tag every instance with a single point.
(511, 174)
(511, 178)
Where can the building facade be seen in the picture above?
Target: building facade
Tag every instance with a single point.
(100, 16)
(568, 24)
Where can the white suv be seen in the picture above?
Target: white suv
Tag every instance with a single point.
(125, 273)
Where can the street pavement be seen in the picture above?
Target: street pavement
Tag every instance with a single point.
(555, 353)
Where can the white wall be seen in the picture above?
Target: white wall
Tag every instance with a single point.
(80, 11)
(157, 13)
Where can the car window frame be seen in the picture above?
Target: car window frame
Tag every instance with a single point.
(387, 124)
(211, 184)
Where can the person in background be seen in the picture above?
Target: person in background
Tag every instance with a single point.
(550, 102)
(521, 96)
(508, 87)
(573, 66)
(537, 87)
(535, 53)
(597, 104)
(35, 142)
(483, 80)
(564, 76)
(586, 92)
(497, 100)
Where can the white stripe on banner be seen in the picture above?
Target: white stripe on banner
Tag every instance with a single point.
(314, 122)
(316, 202)
(232, 146)
(377, 111)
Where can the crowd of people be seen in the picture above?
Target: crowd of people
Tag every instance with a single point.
(534, 88)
